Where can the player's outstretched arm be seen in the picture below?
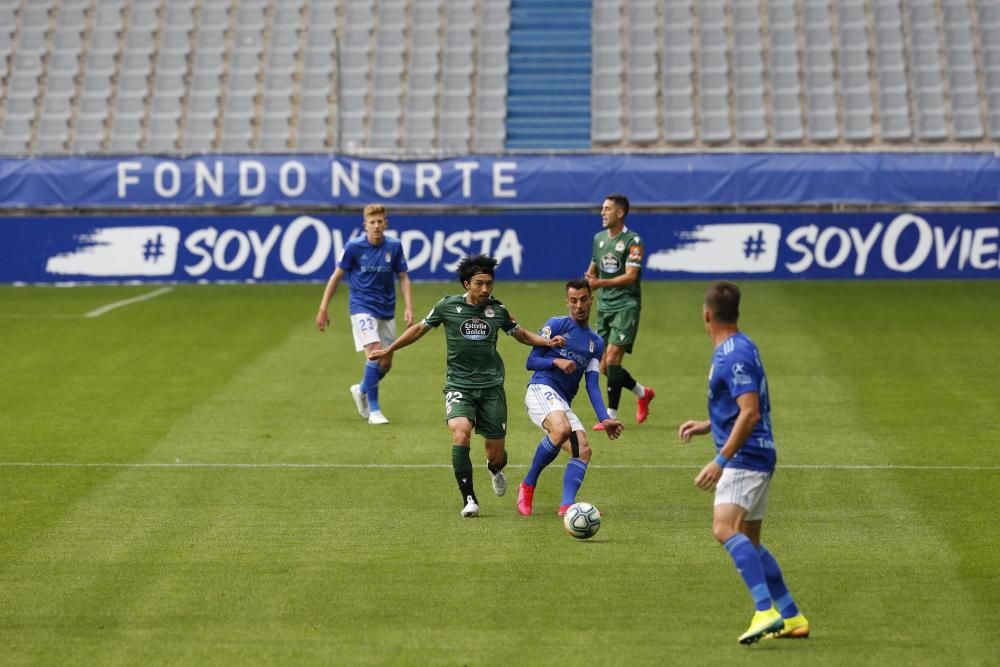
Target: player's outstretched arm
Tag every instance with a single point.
(526, 337)
(410, 336)
(322, 315)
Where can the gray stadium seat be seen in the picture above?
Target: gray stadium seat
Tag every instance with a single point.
(858, 126)
(823, 124)
(312, 131)
(644, 126)
(788, 125)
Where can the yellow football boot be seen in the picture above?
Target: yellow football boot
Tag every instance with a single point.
(762, 623)
(796, 627)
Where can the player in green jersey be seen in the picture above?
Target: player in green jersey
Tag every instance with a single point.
(616, 270)
(474, 396)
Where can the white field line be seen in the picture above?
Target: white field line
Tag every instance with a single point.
(420, 466)
(97, 312)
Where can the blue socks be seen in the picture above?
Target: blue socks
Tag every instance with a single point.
(545, 454)
(576, 469)
(776, 584)
(572, 479)
(748, 562)
(369, 384)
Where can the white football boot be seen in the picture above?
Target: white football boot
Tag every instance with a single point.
(377, 418)
(360, 400)
(471, 508)
(500, 483)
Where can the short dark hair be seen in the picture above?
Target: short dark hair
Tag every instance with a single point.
(578, 283)
(723, 301)
(620, 200)
(474, 264)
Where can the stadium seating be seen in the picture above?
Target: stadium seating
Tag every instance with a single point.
(446, 77)
(548, 87)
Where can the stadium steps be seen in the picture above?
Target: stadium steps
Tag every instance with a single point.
(548, 86)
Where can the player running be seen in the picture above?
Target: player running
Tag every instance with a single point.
(370, 262)
(474, 396)
(551, 390)
(739, 410)
(616, 270)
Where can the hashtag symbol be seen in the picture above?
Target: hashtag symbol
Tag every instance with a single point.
(153, 249)
(754, 247)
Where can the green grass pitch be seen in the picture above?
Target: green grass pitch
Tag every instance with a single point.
(184, 480)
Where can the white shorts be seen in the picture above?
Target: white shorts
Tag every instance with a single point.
(542, 399)
(369, 329)
(746, 488)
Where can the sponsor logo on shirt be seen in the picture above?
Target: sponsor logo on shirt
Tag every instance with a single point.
(740, 376)
(610, 263)
(475, 329)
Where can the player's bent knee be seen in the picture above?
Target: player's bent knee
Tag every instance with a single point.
(723, 530)
(558, 433)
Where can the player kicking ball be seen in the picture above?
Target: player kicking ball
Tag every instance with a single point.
(551, 390)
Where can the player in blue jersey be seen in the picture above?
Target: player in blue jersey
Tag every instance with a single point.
(370, 262)
(557, 376)
(739, 410)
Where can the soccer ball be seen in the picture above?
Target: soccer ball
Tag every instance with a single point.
(582, 521)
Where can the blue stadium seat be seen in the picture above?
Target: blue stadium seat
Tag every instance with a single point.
(548, 102)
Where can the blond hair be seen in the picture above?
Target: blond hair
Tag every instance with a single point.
(374, 209)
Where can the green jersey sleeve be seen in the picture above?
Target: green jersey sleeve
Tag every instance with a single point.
(435, 318)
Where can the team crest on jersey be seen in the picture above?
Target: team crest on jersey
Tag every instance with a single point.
(388, 257)
(489, 312)
(619, 247)
(475, 329)
(610, 263)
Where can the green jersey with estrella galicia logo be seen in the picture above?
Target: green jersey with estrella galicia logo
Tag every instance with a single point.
(612, 256)
(471, 334)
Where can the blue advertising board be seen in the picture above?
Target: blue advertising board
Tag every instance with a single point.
(510, 181)
(529, 246)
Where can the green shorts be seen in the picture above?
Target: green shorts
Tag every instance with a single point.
(619, 327)
(485, 408)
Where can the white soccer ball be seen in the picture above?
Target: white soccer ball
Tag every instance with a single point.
(582, 521)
